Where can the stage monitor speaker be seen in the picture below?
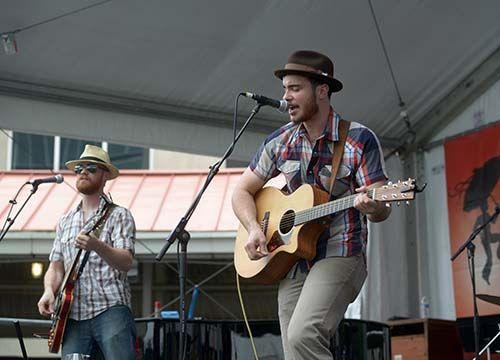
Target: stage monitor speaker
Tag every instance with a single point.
(425, 339)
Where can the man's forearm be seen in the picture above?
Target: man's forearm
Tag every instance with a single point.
(244, 208)
(382, 214)
(120, 259)
(52, 279)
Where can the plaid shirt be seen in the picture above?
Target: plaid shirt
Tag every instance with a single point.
(289, 151)
(100, 286)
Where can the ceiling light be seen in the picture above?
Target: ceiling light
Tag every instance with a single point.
(36, 270)
(9, 44)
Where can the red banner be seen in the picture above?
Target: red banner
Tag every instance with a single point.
(472, 173)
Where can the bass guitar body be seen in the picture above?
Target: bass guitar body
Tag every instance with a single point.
(63, 307)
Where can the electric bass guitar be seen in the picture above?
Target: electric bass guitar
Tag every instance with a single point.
(64, 299)
(292, 224)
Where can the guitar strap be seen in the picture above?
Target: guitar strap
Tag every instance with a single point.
(338, 150)
(97, 229)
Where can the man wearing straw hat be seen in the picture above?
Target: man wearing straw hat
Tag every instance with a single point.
(100, 315)
(314, 296)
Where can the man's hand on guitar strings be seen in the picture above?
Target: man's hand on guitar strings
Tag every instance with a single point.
(256, 246)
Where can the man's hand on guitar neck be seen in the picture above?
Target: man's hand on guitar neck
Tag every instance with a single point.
(256, 246)
(87, 242)
(375, 211)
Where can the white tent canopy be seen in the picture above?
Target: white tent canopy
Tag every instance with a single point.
(165, 75)
(144, 73)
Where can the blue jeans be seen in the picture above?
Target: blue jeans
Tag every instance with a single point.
(113, 332)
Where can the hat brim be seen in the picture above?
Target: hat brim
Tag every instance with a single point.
(334, 84)
(113, 171)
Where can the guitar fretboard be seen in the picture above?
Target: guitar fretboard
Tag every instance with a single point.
(328, 208)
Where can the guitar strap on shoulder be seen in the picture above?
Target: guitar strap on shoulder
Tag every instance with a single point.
(96, 229)
(338, 150)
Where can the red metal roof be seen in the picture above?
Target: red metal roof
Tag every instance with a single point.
(157, 199)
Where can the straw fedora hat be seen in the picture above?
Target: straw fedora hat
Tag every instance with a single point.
(311, 64)
(95, 155)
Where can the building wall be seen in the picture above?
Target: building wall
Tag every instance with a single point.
(3, 150)
(437, 275)
(160, 159)
(171, 160)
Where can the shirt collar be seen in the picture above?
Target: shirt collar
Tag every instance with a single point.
(102, 202)
(330, 133)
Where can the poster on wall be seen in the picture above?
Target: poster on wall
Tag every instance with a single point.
(473, 192)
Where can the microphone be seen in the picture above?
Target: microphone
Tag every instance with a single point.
(53, 179)
(280, 105)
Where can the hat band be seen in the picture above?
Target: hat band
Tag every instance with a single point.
(94, 159)
(301, 67)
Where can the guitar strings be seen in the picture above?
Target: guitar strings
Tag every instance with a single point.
(291, 219)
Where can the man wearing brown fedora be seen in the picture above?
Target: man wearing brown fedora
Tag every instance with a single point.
(100, 315)
(314, 295)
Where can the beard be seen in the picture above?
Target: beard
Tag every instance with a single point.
(88, 187)
(309, 109)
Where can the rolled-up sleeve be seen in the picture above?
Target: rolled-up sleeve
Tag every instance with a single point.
(371, 167)
(263, 163)
(123, 234)
(56, 253)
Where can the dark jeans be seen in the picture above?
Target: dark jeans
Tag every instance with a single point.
(113, 332)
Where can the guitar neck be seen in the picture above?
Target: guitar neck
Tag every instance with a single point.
(328, 208)
(68, 276)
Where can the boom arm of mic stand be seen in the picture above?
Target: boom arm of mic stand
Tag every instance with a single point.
(475, 232)
(13, 201)
(179, 232)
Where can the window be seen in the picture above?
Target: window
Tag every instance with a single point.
(71, 149)
(31, 151)
(128, 157)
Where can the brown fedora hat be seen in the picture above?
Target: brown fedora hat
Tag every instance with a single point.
(313, 65)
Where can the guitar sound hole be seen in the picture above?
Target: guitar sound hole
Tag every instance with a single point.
(287, 222)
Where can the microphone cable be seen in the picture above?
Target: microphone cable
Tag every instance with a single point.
(243, 311)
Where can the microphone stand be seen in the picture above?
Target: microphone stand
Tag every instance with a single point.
(19, 334)
(14, 202)
(470, 255)
(183, 236)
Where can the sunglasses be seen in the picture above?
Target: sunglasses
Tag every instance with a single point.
(91, 168)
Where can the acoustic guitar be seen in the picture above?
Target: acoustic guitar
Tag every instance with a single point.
(64, 298)
(292, 224)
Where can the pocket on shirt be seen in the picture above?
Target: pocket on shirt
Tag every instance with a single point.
(342, 181)
(69, 236)
(290, 169)
(325, 175)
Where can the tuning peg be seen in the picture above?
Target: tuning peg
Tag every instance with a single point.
(389, 183)
(407, 202)
(388, 205)
(398, 203)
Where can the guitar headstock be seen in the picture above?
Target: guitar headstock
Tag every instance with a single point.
(400, 191)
